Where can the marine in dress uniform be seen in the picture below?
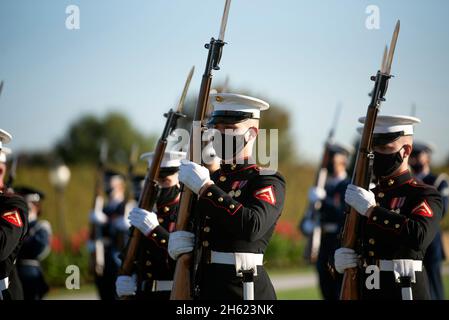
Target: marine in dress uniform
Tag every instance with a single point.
(35, 248)
(114, 230)
(331, 215)
(153, 278)
(420, 163)
(237, 209)
(399, 219)
(13, 229)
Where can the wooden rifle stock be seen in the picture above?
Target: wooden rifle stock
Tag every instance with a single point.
(149, 194)
(147, 200)
(183, 284)
(362, 176)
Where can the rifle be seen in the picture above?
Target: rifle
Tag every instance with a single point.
(130, 174)
(182, 284)
(362, 171)
(312, 214)
(150, 190)
(96, 235)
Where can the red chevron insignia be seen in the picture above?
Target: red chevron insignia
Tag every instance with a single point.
(423, 210)
(266, 194)
(13, 217)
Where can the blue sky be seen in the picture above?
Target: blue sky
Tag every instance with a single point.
(134, 55)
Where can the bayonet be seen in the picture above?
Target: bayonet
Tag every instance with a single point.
(394, 39)
(184, 91)
(224, 20)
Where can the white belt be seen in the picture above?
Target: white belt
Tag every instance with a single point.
(241, 260)
(404, 273)
(29, 262)
(162, 285)
(401, 268)
(330, 227)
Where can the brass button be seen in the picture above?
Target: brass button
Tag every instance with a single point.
(231, 193)
(148, 251)
(397, 226)
(163, 241)
(154, 235)
(220, 199)
(166, 209)
(386, 221)
(233, 166)
(381, 194)
(209, 194)
(390, 182)
(149, 275)
(238, 193)
(160, 220)
(372, 241)
(206, 229)
(231, 206)
(371, 253)
(374, 218)
(222, 178)
(218, 98)
(148, 263)
(205, 243)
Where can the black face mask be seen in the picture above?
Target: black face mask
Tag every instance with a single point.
(385, 164)
(168, 194)
(238, 143)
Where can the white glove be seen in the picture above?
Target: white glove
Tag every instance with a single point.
(193, 175)
(180, 242)
(143, 220)
(126, 285)
(345, 258)
(360, 199)
(316, 194)
(98, 217)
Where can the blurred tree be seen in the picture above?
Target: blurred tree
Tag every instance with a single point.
(81, 143)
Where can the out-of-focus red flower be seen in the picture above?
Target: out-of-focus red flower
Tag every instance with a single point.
(286, 229)
(78, 239)
(56, 244)
(84, 234)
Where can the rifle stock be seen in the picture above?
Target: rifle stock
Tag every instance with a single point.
(149, 194)
(183, 284)
(361, 176)
(147, 199)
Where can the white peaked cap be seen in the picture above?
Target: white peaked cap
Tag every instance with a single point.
(5, 138)
(170, 158)
(238, 102)
(3, 153)
(393, 124)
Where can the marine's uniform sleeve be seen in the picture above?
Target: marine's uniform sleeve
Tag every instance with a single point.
(160, 236)
(13, 224)
(415, 229)
(255, 215)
